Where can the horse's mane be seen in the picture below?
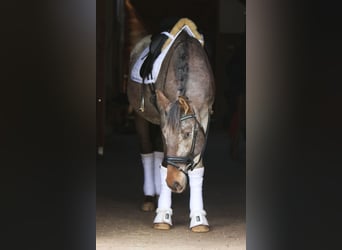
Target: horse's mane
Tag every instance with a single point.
(181, 65)
(181, 68)
(176, 111)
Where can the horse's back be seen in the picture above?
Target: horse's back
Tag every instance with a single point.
(139, 48)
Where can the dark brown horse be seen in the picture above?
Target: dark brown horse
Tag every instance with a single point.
(179, 100)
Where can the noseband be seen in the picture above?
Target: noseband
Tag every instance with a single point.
(189, 159)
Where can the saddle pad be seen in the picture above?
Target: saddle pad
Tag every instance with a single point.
(135, 73)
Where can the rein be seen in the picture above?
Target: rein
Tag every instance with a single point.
(189, 159)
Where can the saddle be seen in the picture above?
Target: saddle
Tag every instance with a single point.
(157, 42)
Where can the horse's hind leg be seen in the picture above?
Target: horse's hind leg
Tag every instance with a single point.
(151, 161)
(158, 155)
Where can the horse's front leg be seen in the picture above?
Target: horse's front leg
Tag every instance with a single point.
(198, 220)
(164, 212)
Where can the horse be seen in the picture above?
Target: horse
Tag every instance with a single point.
(178, 99)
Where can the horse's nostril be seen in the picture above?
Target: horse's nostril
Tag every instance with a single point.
(177, 186)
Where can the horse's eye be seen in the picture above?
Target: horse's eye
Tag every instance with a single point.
(186, 135)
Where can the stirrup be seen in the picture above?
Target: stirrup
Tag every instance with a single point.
(199, 222)
(163, 219)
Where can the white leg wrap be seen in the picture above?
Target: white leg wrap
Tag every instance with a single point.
(148, 165)
(163, 216)
(164, 201)
(197, 213)
(158, 158)
(198, 218)
(164, 211)
(195, 183)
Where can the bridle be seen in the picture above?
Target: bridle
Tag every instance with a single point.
(189, 158)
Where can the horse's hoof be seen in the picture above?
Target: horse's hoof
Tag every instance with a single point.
(200, 229)
(199, 222)
(161, 226)
(149, 204)
(163, 220)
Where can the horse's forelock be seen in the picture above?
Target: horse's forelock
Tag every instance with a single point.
(173, 118)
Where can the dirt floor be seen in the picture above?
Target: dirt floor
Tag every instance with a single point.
(122, 225)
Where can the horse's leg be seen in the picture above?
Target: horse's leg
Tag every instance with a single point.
(158, 155)
(147, 158)
(198, 218)
(164, 212)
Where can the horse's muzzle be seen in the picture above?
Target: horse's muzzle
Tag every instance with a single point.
(175, 179)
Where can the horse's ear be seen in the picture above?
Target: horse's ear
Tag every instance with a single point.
(162, 100)
(184, 104)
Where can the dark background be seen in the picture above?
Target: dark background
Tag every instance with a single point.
(48, 128)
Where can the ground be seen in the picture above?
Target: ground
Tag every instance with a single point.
(121, 225)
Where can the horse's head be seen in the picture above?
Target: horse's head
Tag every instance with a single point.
(184, 138)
